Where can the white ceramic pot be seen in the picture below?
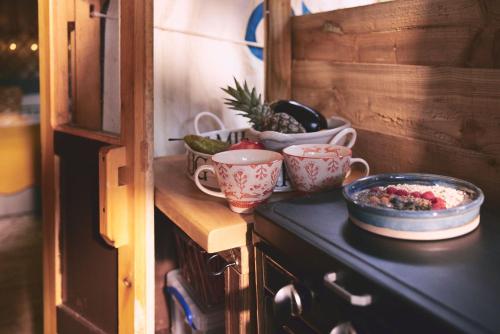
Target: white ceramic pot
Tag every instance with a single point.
(338, 129)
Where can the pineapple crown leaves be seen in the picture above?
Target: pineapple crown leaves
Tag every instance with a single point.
(260, 114)
(242, 96)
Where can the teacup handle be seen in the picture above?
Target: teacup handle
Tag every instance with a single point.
(361, 161)
(201, 186)
(339, 136)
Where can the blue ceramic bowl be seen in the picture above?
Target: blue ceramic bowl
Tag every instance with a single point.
(413, 221)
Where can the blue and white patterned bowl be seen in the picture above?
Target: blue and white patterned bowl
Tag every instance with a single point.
(413, 222)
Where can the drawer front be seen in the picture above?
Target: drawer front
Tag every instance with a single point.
(326, 305)
(312, 313)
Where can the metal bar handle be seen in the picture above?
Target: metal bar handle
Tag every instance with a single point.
(221, 271)
(330, 280)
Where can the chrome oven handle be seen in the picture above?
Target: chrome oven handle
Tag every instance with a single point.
(330, 280)
(289, 296)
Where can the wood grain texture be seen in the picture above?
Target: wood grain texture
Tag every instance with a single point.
(388, 153)
(278, 49)
(87, 111)
(240, 297)
(101, 136)
(136, 260)
(205, 219)
(403, 32)
(452, 106)
(53, 111)
(93, 298)
(113, 218)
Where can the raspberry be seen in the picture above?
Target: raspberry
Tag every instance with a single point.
(428, 195)
(391, 190)
(438, 204)
(401, 192)
(416, 194)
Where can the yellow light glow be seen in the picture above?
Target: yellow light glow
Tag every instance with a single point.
(12, 46)
(34, 47)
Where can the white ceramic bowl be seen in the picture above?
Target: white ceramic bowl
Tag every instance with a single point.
(277, 141)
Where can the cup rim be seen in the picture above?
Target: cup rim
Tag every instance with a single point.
(278, 157)
(349, 154)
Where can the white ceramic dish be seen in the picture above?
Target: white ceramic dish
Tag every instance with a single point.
(277, 141)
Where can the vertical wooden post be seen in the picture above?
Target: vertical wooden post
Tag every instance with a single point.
(240, 295)
(278, 50)
(136, 259)
(53, 111)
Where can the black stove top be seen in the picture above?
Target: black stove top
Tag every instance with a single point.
(457, 279)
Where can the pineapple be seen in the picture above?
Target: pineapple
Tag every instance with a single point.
(262, 117)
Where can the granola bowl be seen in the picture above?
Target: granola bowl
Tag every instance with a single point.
(414, 206)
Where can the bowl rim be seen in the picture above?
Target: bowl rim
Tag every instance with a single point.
(341, 156)
(348, 195)
(310, 135)
(277, 157)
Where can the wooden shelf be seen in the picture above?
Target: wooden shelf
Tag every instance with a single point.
(205, 219)
(102, 136)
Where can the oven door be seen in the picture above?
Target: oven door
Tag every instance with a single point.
(289, 302)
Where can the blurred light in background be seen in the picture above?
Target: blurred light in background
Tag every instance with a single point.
(12, 46)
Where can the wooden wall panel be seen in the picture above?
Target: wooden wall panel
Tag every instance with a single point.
(89, 266)
(419, 79)
(422, 32)
(453, 106)
(387, 153)
(278, 50)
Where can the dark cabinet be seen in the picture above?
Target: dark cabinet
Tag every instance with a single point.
(313, 293)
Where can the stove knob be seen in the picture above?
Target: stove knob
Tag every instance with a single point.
(291, 300)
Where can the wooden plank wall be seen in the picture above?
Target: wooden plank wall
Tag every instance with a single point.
(419, 79)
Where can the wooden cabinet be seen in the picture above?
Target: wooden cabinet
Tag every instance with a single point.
(98, 253)
(214, 227)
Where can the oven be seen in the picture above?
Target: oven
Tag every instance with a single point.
(301, 290)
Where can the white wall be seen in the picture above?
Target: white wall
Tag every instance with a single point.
(189, 70)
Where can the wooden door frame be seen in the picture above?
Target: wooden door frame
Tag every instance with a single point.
(136, 258)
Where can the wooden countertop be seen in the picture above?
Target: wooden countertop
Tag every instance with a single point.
(205, 219)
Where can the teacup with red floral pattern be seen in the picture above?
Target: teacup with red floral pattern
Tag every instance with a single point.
(317, 167)
(246, 177)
